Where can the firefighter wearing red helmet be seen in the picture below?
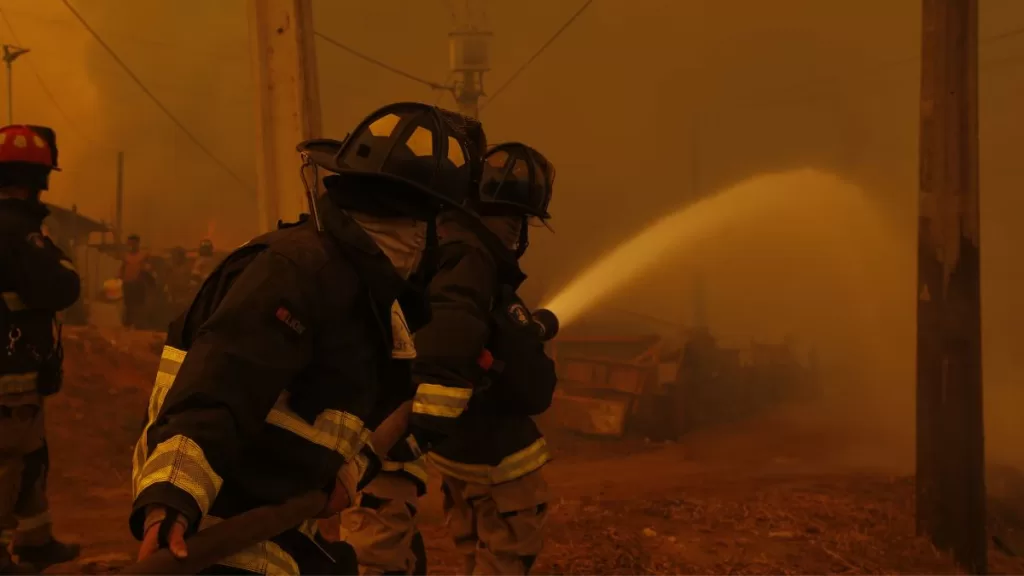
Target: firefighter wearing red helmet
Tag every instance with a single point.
(37, 280)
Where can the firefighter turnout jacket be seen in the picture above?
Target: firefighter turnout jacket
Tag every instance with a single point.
(267, 380)
(37, 281)
(479, 417)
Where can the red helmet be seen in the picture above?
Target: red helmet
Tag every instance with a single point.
(28, 145)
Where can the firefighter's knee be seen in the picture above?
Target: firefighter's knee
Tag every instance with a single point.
(512, 529)
(381, 528)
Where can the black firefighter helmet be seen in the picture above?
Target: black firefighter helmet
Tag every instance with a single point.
(412, 155)
(516, 178)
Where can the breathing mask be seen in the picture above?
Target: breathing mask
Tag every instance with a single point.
(402, 240)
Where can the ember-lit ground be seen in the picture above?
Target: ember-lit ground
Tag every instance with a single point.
(766, 497)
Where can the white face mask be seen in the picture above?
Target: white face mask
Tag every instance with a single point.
(506, 228)
(401, 239)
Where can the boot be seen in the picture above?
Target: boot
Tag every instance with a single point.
(53, 552)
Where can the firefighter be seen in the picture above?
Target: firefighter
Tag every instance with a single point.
(381, 529)
(266, 382)
(37, 280)
(136, 278)
(177, 284)
(490, 455)
(479, 390)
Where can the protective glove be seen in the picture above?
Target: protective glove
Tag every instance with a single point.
(346, 486)
(164, 528)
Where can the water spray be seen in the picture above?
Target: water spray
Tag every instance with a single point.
(688, 227)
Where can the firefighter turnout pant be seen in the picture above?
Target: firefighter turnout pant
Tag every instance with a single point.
(382, 528)
(500, 528)
(24, 461)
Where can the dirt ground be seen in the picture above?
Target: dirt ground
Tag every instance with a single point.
(771, 496)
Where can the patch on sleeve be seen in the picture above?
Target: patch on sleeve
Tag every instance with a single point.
(285, 316)
(36, 239)
(519, 314)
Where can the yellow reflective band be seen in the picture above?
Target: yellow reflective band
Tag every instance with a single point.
(170, 360)
(417, 468)
(263, 558)
(13, 301)
(414, 446)
(341, 432)
(67, 264)
(443, 401)
(310, 528)
(18, 383)
(513, 466)
(181, 463)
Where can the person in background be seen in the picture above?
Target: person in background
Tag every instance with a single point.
(177, 284)
(37, 280)
(204, 264)
(133, 275)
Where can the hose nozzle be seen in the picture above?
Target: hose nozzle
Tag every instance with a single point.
(546, 322)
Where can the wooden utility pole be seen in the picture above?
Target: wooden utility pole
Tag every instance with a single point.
(950, 427)
(287, 102)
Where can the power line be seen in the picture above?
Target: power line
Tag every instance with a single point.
(153, 97)
(537, 53)
(1004, 35)
(374, 61)
(42, 84)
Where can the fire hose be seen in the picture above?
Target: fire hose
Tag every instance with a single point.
(237, 533)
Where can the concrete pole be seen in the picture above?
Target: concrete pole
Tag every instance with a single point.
(950, 426)
(468, 93)
(287, 103)
(469, 56)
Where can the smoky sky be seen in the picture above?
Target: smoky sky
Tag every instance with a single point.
(642, 105)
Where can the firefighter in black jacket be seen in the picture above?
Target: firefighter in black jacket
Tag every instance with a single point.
(491, 455)
(482, 374)
(267, 380)
(382, 529)
(37, 280)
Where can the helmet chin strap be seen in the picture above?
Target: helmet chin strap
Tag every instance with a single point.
(312, 186)
(524, 238)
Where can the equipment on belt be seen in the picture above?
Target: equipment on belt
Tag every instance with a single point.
(209, 546)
